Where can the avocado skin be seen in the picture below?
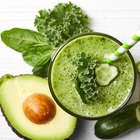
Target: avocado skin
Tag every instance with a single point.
(5, 77)
(118, 124)
(13, 129)
(2, 79)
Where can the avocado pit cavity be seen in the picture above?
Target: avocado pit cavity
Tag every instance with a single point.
(39, 108)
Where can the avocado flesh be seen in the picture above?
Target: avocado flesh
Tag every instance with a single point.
(14, 91)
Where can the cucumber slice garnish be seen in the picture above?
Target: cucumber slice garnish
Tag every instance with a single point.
(105, 73)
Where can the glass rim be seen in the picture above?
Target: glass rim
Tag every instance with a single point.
(73, 113)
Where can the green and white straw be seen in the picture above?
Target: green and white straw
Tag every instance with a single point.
(124, 48)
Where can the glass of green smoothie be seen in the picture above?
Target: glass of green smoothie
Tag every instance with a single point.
(73, 79)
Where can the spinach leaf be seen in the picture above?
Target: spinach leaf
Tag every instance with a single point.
(33, 46)
(21, 39)
(36, 56)
(41, 70)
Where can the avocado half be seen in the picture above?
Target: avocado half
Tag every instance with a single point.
(13, 92)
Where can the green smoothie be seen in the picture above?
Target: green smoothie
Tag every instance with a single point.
(63, 71)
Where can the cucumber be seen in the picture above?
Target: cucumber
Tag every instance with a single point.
(138, 66)
(127, 119)
(105, 73)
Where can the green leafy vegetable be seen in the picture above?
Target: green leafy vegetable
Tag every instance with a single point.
(22, 39)
(38, 56)
(86, 80)
(54, 27)
(62, 22)
(31, 44)
(41, 70)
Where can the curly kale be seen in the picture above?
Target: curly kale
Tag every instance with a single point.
(62, 22)
(86, 79)
(59, 24)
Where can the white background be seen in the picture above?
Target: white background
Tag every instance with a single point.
(119, 18)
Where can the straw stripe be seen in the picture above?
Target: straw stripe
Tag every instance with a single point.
(120, 51)
(136, 37)
(114, 57)
(131, 41)
(109, 61)
(117, 53)
(124, 48)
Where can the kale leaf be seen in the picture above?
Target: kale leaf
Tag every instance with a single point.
(62, 22)
(86, 79)
(59, 24)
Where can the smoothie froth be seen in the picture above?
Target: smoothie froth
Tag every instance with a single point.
(63, 71)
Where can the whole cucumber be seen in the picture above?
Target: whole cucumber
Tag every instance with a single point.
(127, 119)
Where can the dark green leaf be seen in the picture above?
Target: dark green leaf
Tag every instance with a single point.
(22, 39)
(37, 56)
(62, 22)
(86, 80)
(35, 50)
(41, 70)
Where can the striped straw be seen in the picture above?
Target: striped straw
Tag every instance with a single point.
(124, 48)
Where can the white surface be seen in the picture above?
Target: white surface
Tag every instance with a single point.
(119, 18)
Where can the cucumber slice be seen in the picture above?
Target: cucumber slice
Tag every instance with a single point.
(124, 121)
(105, 73)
